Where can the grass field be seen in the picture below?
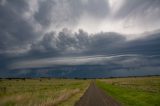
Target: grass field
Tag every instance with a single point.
(41, 92)
(144, 91)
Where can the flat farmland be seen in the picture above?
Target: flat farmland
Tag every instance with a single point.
(41, 92)
(133, 91)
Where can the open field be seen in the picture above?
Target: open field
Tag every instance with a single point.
(140, 91)
(41, 92)
(143, 91)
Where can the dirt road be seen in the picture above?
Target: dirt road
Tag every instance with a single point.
(96, 97)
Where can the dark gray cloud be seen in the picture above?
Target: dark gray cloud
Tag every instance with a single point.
(21, 23)
(68, 48)
(144, 45)
(16, 32)
(90, 66)
(111, 61)
(81, 43)
(40, 29)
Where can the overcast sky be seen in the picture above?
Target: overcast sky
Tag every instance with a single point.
(39, 33)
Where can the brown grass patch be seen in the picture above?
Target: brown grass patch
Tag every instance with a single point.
(63, 96)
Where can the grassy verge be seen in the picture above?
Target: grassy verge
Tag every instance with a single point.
(133, 91)
(41, 92)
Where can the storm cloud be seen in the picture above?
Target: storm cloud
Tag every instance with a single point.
(111, 50)
(66, 43)
(51, 33)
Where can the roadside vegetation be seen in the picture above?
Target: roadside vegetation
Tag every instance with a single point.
(142, 91)
(41, 92)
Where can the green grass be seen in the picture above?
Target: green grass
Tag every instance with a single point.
(41, 92)
(133, 91)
